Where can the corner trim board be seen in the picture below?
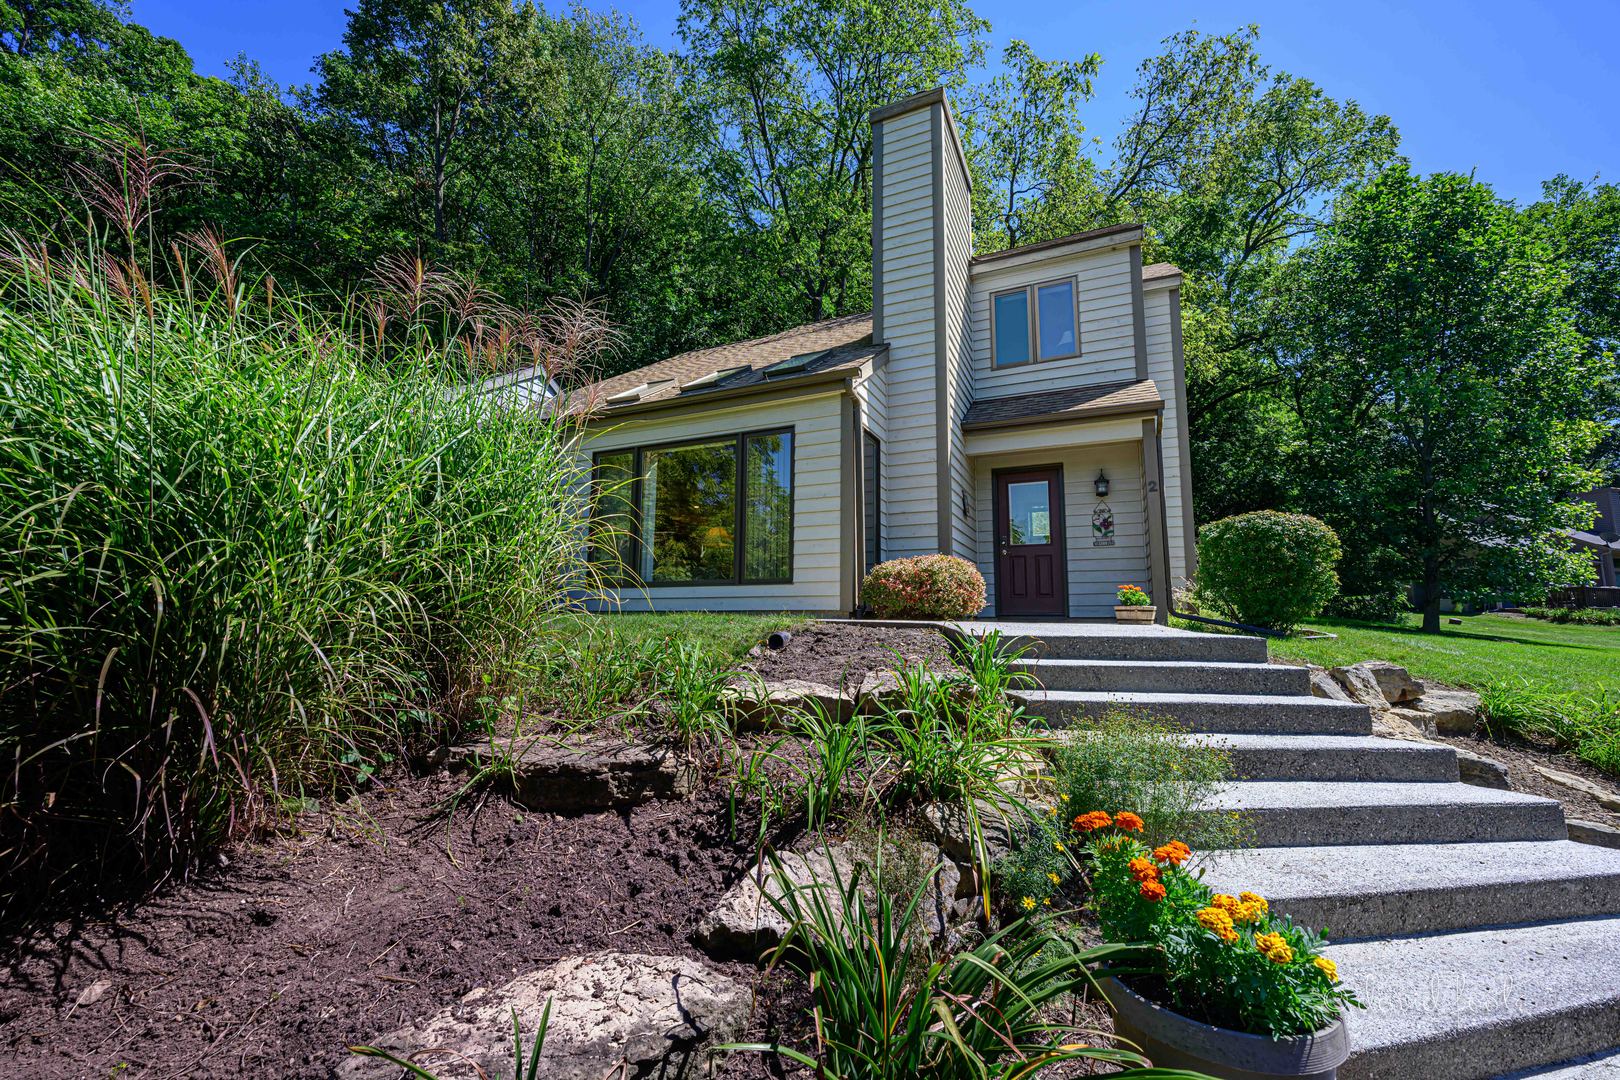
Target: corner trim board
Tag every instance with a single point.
(877, 233)
(1189, 530)
(1139, 312)
(1158, 537)
(944, 510)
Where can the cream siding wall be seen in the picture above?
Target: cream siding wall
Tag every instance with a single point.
(907, 305)
(1161, 369)
(1094, 572)
(817, 538)
(1107, 324)
(958, 391)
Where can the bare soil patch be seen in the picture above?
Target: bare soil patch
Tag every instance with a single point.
(1520, 758)
(843, 654)
(373, 914)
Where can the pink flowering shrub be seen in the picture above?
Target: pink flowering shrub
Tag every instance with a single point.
(924, 587)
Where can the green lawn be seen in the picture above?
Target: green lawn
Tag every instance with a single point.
(1556, 682)
(1485, 650)
(725, 634)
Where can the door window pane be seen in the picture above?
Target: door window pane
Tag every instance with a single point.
(1029, 512)
(689, 505)
(768, 548)
(1012, 328)
(612, 528)
(1055, 304)
(873, 500)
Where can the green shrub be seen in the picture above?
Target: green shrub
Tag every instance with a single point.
(924, 587)
(247, 558)
(1576, 616)
(1383, 607)
(1267, 568)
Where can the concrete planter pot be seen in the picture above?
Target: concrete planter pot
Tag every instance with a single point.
(1172, 1041)
(1134, 613)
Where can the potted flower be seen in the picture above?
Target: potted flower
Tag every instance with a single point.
(1132, 605)
(1233, 991)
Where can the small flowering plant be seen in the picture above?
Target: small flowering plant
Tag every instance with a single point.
(1132, 596)
(1227, 960)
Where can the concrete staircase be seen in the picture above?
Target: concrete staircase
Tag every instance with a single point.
(1482, 940)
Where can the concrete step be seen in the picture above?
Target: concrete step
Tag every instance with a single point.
(1332, 757)
(1476, 1004)
(1110, 641)
(1361, 891)
(1230, 713)
(1600, 1066)
(1317, 814)
(1169, 676)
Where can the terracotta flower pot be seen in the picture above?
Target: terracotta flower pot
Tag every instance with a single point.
(1134, 613)
(1172, 1041)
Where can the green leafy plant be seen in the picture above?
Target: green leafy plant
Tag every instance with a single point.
(1132, 596)
(990, 663)
(1268, 568)
(693, 689)
(924, 587)
(525, 1064)
(838, 748)
(1221, 959)
(886, 1008)
(1585, 724)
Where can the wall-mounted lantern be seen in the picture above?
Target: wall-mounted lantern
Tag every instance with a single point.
(1101, 484)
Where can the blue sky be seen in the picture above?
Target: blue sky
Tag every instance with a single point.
(1515, 93)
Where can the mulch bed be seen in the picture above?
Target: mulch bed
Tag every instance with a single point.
(1520, 757)
(843, 654)
(373, 914)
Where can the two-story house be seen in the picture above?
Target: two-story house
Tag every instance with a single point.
(1023, 409)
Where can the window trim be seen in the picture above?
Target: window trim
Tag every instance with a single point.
(1031, 293)
(739, 510)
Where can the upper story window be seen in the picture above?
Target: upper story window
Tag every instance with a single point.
(1034, 322)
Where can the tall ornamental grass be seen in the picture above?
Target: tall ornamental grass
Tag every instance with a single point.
(244, 554)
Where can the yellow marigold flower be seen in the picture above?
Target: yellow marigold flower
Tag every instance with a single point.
(1327, 967)
(1053, 878)
(1247, 912)
(1213, 918)
(1128, 821)
(1266, 942)
(1092, 820)
(1226, 903)
(1282, 954)
(1255, 900)
(1228, 936)
(1029, 903)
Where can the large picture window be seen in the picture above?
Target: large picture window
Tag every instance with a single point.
(1035, 322)
(710, 512)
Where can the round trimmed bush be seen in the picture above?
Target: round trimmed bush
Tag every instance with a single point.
(1268, 568)
(924, 587)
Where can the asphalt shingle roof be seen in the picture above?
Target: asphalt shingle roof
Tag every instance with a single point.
(1072, 403)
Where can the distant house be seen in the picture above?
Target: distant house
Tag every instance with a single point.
(1603, 538)
(1023, 409)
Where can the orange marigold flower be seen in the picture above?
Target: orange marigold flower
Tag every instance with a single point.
(1175, 853)
(1152, 891)
(1093, 820)
(1143, 869)
(1128, 821)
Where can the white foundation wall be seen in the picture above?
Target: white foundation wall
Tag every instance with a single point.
(1094, 573)
(818, 542)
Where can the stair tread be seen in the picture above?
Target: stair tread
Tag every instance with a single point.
(1339, 794)
(1600, 1066)
(1223, 665)
(1145, 698)
(1476, 1002)
(1265, 740)
(1283, 874)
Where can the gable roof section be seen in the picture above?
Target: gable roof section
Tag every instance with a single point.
(1062, 406)
(1073, 239)
(832, 346)
(1160, 271)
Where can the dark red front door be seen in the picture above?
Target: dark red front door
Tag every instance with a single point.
(1029, 543)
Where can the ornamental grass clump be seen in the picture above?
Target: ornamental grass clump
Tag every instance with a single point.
(1221, 959)
(924, 587)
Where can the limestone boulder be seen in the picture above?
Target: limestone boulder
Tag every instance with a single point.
(1604, 796)
(768, 704)
(598, 773)
(745, 923)
(611, 1014)
(1421, 721)
(1481, 771)
(1455, 712)
(1394, 681)
(1360, 686)
(1323, 685)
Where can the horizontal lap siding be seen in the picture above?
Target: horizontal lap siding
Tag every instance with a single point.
(959, 363)
(1161, 369)
(818, 541)
(1107, 325)
(1094, 573)
(909, 387)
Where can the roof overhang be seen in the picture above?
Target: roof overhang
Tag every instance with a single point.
(1063, 246)
(1139, 397)
(708, 399)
